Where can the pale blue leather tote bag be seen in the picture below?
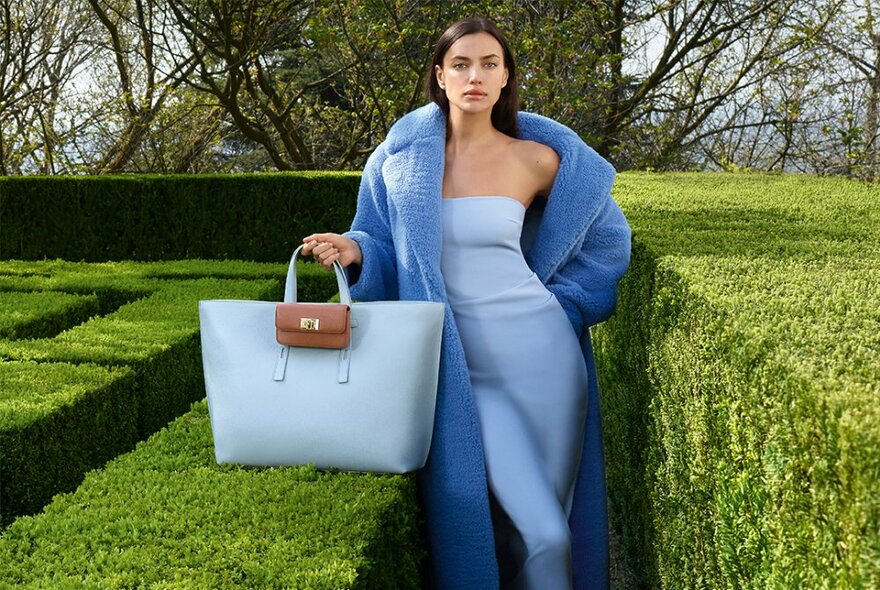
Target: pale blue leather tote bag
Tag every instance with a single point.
(368, 406)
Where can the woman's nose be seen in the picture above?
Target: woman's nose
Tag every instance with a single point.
(475, 74)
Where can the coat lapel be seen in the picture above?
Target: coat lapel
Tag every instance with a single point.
(582, 185)
(413, 173)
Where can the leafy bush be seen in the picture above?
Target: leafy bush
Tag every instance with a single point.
(740, 380)
(43, 314)
(57, 421)
(168, 217)
(167, 515)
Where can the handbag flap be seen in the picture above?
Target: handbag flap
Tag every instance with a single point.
(321, 325)
(332, 318)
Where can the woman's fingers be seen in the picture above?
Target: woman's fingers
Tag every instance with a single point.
(314, 247)
(324, 247)
(327, 258)
(325, 253)
(326, 237)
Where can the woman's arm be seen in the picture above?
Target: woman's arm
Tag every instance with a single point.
(376, 277)
(586, 285)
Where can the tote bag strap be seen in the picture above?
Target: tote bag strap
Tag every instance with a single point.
(290, 286)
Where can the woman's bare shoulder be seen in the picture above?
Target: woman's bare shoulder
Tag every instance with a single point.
(540, 159)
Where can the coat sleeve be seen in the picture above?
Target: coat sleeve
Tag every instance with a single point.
(375, 278)
(586, 285)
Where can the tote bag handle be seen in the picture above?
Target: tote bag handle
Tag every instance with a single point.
(290, 286)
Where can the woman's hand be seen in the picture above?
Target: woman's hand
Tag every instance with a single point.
(327, 248)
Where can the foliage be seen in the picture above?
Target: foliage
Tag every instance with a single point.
(255, 217)
(740, 376)
(61, 413)
(209, 86)
(40, 314)
(167, 515)
(129, 522)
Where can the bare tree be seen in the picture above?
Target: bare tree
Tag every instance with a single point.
(811, 113)
(236, 47)
(197, 85)
(41, 49)
(145, 79)
(706, 54)
(856, 39)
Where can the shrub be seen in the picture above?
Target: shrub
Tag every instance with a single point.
(740, 379)
(167, 515)
(43, 314)
(79, 414)
(170, 217)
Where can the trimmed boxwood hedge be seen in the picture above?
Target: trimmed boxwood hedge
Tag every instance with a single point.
(170, 217)
(57, 421)
(43, 314)
(166, 515)
(740, 380)
(154, 335)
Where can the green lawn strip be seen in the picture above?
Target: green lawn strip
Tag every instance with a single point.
(166, 515)
(740, 378)
(41, 314)
(57, 421)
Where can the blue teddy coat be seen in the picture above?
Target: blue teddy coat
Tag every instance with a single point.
(578, 244)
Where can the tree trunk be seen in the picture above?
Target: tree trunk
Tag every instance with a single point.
(872, 114)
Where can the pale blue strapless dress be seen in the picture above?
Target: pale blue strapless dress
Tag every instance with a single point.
(530, 386)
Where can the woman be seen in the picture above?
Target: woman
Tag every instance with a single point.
(507, 217)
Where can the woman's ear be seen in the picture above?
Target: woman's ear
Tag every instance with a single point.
(438, 72)
(506, 74)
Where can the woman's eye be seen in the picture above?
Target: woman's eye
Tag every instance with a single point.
(491, 65)
(456, 66)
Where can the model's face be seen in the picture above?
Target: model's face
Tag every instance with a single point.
(473, 72)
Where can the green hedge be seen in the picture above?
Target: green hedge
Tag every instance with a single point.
(741, 378)
(166, 515)
(57, 421)
(43, 314)
(152, 217)
(150, 328)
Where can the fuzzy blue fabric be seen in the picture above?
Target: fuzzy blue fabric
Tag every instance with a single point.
(578, 244)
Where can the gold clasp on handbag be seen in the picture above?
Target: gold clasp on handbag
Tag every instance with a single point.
(309, 323)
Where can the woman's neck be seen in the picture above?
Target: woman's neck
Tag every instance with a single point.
(468, 131)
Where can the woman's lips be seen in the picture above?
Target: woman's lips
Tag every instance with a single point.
(475, 94)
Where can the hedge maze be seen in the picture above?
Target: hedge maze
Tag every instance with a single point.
(740, 378)
(97, 357)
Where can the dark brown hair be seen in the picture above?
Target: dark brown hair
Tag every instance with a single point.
(504, 111)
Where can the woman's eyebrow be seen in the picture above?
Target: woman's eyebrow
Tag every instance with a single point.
(462, 57)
